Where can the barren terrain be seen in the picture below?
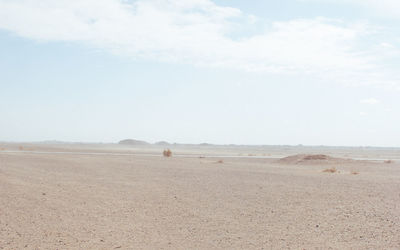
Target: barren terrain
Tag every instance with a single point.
(107, 196)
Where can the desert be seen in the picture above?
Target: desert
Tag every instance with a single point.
(200, 124)
(94, 196)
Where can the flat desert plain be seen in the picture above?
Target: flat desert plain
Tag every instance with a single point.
(114, 197)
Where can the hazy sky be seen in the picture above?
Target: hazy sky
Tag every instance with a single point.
(229, 71)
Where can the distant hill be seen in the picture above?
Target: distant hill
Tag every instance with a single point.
(162, 143)
(133, 142)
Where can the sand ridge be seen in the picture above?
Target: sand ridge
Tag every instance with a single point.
(306, 159)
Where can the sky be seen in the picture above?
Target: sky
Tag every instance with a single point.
(311, 72)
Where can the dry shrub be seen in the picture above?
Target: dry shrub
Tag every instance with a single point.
(167, 153)
(388, 161)
(21, 148)
(354, 173)
(220, 161)
(330, 170)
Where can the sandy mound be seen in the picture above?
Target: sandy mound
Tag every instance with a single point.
(310, 159)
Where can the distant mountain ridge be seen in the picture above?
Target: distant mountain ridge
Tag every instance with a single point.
(133, 142)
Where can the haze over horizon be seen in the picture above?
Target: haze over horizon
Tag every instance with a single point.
(312, 72)
(168, 143)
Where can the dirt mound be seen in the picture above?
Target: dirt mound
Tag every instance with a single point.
(316, 157)
(307, 159)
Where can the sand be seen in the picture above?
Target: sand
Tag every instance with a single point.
(120, 200)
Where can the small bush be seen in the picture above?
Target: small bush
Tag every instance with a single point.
(354, 173)
(388, 161)
(220, 161)
(167, 153)
(330, 170)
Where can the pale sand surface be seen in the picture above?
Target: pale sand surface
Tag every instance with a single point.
(140, 201)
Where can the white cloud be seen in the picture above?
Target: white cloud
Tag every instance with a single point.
(363, 113)
(386, 8)
(387, 45)
(370, 101)
(200, 32)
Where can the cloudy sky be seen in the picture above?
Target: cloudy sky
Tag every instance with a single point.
(314, 72)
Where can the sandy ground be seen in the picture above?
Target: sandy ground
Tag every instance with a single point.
(105, 201)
